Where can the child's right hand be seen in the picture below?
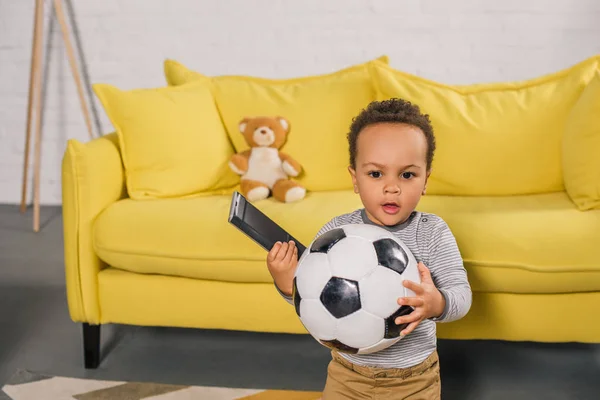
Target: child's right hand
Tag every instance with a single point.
(282, 261)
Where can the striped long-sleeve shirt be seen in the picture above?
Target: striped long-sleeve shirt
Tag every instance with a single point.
(430, 240)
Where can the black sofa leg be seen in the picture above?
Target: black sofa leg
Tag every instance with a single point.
(91, 345)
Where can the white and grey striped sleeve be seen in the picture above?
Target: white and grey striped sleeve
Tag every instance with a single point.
(327, 227)
(448, 273)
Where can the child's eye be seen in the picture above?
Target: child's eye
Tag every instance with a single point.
(375, 174)
(408, 175)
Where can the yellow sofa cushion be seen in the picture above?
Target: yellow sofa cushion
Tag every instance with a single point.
(524, 244)
(581, 149)
(172, 140)
(516, 244)
(177, 74)
(319, 109)
(495, 138)
(192, 238)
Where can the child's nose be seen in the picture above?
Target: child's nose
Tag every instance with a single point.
(392, 188)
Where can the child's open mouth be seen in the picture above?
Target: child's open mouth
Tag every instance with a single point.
(390, 208)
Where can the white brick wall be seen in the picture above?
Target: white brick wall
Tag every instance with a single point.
(126, 41)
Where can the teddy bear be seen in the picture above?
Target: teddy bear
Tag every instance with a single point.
(263, 168)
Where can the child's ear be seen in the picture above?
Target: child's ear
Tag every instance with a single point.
(353, 175)
(426, 179)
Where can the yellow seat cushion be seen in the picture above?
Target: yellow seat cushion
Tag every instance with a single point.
(192, 238)
(319, 109)
(497, 138)
(581, 149)
(172, 140)
(524, 244)
(514, 244)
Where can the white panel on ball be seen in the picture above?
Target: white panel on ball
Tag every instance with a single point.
(379, 292)
(367, 232)
(411, 274)
(352, 258)
(317, 320)
(312, 277)
(360, 329)
(383, 344)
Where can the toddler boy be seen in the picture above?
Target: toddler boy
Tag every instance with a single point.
(391, 151)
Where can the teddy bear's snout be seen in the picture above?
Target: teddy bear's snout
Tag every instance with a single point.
(263, 136)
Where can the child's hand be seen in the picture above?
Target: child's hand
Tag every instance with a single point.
(427, 303)
(282, 261)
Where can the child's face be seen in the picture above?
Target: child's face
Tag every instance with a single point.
(391, 171)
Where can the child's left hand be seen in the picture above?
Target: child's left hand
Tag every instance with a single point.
(427, 303)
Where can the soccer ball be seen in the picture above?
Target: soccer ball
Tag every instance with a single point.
(347, 285)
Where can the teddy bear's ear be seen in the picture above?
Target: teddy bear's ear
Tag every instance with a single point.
(284, 123)
(242, 125)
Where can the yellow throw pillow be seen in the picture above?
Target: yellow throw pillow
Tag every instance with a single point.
(581, 149)
(319, 109)
(495, 138)
(178, 74)
(172, 140)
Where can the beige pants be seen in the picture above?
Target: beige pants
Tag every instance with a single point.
(348, 381)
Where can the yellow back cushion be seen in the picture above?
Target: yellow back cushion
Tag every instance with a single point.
(497, 138)
(581, 149)
(319, 109)
(178, 74)
(172, 140)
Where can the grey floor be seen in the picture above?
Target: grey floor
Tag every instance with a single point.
(36, 334)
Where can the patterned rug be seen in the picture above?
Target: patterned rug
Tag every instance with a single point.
(25, 385)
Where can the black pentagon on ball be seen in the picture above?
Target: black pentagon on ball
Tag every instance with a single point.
(391, 255)
(391, 329)
(296, 296)
(339, 346)
(326, 241)
(341, 297)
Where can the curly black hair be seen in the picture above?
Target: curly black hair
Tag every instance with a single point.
(391, 111)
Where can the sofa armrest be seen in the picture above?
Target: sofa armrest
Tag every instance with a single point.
(92, 178)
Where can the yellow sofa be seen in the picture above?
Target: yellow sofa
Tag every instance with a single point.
(516, 176)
